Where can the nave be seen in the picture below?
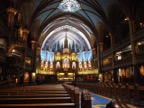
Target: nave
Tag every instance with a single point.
(56, 96)
(98, 44)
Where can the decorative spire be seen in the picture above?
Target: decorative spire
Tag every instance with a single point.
(66, 42)
(84, 49)
(73, 46)
(70, 46)
(58, 46)
(75, 49)
(55, 47)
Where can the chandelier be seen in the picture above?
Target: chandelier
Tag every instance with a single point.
(69, 6)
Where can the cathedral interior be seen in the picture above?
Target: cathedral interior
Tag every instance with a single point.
(97, 42)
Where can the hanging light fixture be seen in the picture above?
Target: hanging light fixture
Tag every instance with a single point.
(69, 6)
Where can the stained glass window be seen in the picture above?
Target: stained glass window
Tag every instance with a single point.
(69, 6)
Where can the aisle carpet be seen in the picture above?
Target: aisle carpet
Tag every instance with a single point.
(101, 102)
(98, 101)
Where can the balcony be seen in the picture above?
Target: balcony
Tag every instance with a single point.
(140, 58)
(107, 67)
(126, 61)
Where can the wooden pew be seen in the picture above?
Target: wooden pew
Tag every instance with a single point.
(44, 91)
(35, 100)
(111, 90)
(36, 96)
(74, 93)
(116, 103)
(131, 93)
(33, 95)
(46, 105)
(85, 99)
(116, 91)
(123, 92)
(139, 95)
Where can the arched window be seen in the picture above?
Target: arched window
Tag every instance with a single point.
(66, 63)
(57, 65)
(51, 65)
(80, 65)
(85, 65)
(42, 64)
(73, 65)
(89, 64)
(46, 66)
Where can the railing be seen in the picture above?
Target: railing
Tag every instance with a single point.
(106, 53)
(123, 62)
(139, 35)
(107, 67)
(121, 44)
(140, 58)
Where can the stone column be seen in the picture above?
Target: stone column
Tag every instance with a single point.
(115, 73)
(100, 51)
(101, 46)
(33, 42)
(112, 54)
(33, 47)
(10, 22)
(25, 34)
(99, 54)
(11, 14)
(133, 44)
(94, 52)
(93, 61)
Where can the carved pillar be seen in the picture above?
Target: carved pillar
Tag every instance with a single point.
(11, 14)
(25, 34)
(33, 42)
(115, 75)
(133, 44)
(99, 56)
(94, 61)
(101, 46)
(100, 51)
(132, 30)
(33, 47)
(94, 52)
(112, 51)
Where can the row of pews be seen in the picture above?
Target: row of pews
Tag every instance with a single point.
(129, 93)
(81, 98)
(41, 96)
(45, 96)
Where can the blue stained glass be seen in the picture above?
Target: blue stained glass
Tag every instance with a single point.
(69, 6)
(43, 55)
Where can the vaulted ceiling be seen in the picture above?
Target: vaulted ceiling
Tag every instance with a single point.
(87, 27)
